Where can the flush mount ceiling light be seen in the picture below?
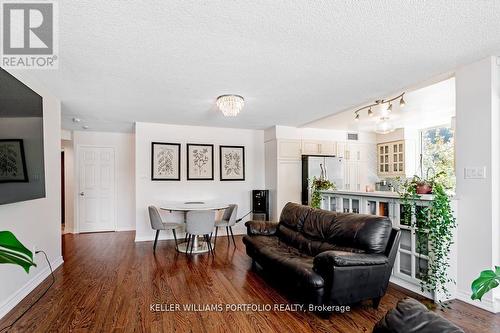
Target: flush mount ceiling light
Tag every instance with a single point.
(384, 126)
(230, 105)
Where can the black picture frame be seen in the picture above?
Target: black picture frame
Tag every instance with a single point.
(221, 168)
(210, 163)
(24, 178)
(156, 178)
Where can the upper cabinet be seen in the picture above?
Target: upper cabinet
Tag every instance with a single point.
(313, 147)
(289, 149)
(391, 158)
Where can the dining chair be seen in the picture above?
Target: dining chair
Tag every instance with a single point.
(228, 221)
(200, 223)
(158, 224)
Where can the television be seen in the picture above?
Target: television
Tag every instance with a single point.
(22, 172)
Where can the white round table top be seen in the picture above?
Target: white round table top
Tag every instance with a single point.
(193, 205)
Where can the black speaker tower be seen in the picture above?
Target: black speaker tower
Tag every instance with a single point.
(260, 204)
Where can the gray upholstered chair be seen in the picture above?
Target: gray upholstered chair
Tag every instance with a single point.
(228, 221)
(200, 222)
(158, 224)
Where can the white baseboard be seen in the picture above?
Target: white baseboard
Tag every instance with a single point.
(18, 296)
(125, 229)
(485, 304)
(167, 235)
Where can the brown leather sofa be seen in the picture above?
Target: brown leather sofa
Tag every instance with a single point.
(331, 258)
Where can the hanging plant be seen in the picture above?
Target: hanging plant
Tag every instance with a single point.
(317, 185)
(438, 222)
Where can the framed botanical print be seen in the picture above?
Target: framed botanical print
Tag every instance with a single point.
(200, 161)
(12, 161)
(232, 162)
(165, 161)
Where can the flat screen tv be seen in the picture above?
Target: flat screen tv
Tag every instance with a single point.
(22, 173)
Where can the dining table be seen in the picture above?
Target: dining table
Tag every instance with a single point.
(199, 246)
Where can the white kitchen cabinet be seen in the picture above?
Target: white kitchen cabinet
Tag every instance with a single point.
(391, 159)
(315, 147)
(341, 149)
(352, 179)
(289, 149)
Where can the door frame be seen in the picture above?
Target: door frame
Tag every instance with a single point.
(77, 185)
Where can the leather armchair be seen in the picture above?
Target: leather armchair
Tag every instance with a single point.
(333, 258)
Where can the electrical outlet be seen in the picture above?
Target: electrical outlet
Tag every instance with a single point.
(475, 173)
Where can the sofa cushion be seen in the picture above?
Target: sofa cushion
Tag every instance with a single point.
(287, 260)
(318, 224)
(365, 232)
(293, 215)
(344, 258)
(412, 316)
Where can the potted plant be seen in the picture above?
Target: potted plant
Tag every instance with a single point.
(486, 281)
(12, 251)
(317, 185)
(438, 222)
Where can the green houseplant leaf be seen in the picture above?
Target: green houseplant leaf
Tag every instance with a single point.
(486, 281)
(12, 251)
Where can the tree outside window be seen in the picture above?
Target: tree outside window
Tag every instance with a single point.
(438, 154)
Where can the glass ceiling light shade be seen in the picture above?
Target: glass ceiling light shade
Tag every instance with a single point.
(384, 126)
(385, 110)
(230, 105)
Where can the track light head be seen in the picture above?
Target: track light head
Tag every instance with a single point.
(402, 102)
(356, 118)
(370, 112)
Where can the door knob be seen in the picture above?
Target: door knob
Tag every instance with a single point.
(82, 194)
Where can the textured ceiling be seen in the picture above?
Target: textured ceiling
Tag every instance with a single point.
(293, 61)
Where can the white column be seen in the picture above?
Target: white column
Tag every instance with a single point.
(477, 146)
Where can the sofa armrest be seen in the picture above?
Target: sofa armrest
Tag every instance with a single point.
(325, 261)
(263, 228)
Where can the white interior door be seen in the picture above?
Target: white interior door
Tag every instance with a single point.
(96, 194)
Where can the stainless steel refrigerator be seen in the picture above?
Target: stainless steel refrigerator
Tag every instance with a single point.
(314, 166)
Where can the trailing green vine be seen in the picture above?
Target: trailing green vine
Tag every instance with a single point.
(437, 221)
(318, 185)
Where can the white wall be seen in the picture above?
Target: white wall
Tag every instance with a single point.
(69, 186)
(155, 192)
(36, 222)
(477, 145)
(124, 146)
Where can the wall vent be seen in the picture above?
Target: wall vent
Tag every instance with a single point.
(352, 137)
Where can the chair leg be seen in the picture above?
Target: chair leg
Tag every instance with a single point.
(215, 240)
(192, 244)
(175, 237)
(232, 235)
(188, 240)
(156, 240)
(376, 302)
(227, 234)
(209, 244)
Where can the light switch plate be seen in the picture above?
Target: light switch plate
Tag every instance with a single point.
(475, 173)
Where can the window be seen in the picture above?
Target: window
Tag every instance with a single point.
(438, 153)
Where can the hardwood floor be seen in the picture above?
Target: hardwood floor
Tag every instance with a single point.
(108, 283)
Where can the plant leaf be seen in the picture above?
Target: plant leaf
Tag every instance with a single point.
(486, 281)
(12, 251)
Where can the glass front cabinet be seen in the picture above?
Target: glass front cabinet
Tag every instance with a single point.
(412, 257)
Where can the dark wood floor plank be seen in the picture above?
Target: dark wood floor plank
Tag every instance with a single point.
(108, 283)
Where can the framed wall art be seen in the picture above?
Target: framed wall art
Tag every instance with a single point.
(232, 163)
(165, 161)
(200, 161)
(12, 161)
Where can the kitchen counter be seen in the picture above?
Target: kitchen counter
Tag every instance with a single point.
(378, 194)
